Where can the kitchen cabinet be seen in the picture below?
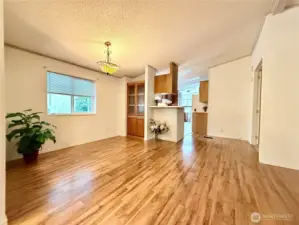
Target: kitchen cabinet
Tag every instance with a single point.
(161, 83)
(199, 123)
(204, 91)
(167, 83)
(135, 109)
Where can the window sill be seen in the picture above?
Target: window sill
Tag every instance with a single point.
(72, 114)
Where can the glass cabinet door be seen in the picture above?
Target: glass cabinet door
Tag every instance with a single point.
(131, 100)
(140, 99)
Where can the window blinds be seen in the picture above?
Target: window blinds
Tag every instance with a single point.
(63, 84)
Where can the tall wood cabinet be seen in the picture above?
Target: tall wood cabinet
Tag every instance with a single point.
(135, 110)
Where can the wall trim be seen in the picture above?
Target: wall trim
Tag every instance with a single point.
(129, 76)
(278, 6)
(258, 35)
(19, 157)
(57, 59)
(228, 137)
(278, 165)
(235, 59)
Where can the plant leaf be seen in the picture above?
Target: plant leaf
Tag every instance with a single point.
(34, 116)
(14, 123)
(34, 132)
(15, 132)
(24, 143)
(53, 139)
(35, 113)
(10, 115)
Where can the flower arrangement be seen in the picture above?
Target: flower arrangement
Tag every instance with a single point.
(205, 108)
(157, 128)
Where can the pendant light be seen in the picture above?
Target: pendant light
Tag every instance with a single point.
(107, 66)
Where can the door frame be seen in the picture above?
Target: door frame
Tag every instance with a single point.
(257, 98)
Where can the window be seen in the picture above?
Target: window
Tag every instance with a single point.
(69, 95)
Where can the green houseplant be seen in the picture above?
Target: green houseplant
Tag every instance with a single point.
(31, 133)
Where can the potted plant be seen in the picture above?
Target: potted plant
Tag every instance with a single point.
(157, 128)
(205, 108)
(30, 132)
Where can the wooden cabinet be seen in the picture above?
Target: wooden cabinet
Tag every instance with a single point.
(139, 127)
(131, 126)
(199, 123)
(167, 83)
(135, 110)
(204, 91)
(161, 84)
(173, 78)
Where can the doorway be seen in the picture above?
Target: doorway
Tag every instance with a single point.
(185, 99)
(257, 105)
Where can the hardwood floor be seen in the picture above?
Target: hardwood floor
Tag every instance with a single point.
(126, 181)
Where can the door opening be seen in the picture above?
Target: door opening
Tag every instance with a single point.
(186, 99)
(257, 105)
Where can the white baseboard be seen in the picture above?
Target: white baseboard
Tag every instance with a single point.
(279, 164)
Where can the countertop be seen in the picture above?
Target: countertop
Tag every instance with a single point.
(168, 107)
(199, 112)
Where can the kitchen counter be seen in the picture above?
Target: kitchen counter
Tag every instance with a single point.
(170, 107)
(174, 118)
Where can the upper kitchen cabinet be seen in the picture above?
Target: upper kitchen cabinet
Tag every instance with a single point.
(161, 83)
(204, 91)
(167, 83)
(173, 78)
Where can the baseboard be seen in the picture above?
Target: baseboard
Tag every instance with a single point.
(228, 137)
(280, 165)
(18, 157)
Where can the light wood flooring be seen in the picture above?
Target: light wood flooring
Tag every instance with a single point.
(127, 181)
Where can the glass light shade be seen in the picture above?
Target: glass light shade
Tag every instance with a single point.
(108, 68)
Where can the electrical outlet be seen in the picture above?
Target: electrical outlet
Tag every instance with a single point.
(221, 130)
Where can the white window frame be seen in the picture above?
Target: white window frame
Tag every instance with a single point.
(72, 98)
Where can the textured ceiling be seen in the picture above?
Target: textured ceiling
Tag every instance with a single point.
(196, 34)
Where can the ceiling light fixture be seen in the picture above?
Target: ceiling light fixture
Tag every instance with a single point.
(107, 66)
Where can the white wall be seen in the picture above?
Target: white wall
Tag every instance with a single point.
(150, 74)
(26, 88)
(139, 78)
(230, 100)
(2, 122)
(278, 47)
(122, 106)
(196, 104)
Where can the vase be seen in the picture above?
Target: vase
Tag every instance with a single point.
(156, 136)
(31, 158)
